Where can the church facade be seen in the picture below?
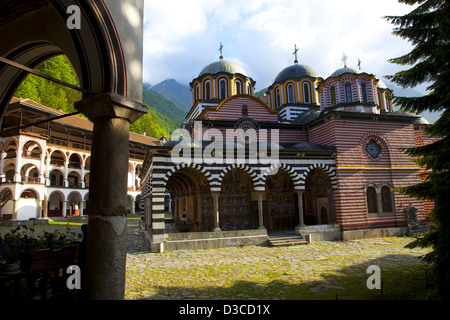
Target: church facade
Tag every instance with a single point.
(318, 157)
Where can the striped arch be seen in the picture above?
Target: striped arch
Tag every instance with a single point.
(186, 165)
(244, 167)
(273, 169)
(330, 171)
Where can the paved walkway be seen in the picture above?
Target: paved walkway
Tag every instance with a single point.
(320, 270)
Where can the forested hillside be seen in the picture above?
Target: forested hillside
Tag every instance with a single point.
(49, 93)
(162, 119)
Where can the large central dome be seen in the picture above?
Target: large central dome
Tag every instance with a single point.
(296, 71)
(222, 66)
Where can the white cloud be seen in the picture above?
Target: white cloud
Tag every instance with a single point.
(181, 37)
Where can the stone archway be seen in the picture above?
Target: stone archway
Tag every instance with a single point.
(235, 201)
(191, 200)
(318, 198)
(282, 208)
(55, 204)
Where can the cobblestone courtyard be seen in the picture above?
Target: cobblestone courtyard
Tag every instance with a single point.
(320, 270)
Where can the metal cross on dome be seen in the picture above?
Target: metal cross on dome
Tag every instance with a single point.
(344, 60)
(220, 49)
(295, 53)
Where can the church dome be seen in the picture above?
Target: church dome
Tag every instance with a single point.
(296, 71)
(344, 70)
(223, 66)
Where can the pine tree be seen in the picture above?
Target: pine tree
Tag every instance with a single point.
(427, 27)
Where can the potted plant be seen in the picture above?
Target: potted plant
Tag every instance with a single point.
(21, 250)
(50, 249)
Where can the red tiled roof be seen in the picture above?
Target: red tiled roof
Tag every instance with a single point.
(82, 123)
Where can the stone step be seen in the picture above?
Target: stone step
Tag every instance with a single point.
(284, 241)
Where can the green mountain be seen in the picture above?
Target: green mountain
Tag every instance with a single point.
(49, 93)
(178, 93)
(163, 116)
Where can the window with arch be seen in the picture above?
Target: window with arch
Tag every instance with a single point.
(244, 110)
(387, 102)
(290, 93)
(306, 92)
(222, 89)
(238, 85)
(249, 89)
(371, 198)
(197, 92)
(363, 92)
(207, 89)
(348, 93)
(386, 199)
(333, 95)
(277, 98)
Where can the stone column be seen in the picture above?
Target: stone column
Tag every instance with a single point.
(66, 174)
(216, 210)
(44, 209)
(64, 208)
(42, 169)
(2, 167)
(17, 176)
(300, 208)
(107, 232)
(82, 177)
(260, 210)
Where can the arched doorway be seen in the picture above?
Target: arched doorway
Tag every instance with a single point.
(319, 198)
(6, 204)
(191, 199)
(28, 207)
(55, 204)
(74, 202)
(282, 210)
(235, 202)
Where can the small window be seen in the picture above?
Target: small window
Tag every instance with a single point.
(290, 93)
(222, 89)
(207, 93)
(249, 89)
(348, 93)
(238, 87)
(371, 197)
(364, 92)
(277, 98)
(333, 95)
(244, 110)
(386, 102)
(386, 199)
(306, 92)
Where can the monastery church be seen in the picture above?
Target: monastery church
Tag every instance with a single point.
(312, 156)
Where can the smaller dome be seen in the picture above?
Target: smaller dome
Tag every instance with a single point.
(296, 71)
(344, 70)
(381, 85)
(421, 120)
(222, 66)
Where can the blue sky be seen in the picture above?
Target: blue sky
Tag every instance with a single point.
(181, 37)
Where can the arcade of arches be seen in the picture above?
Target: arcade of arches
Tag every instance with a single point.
(192, 203)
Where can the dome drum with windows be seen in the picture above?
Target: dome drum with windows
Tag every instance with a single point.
(220, 80)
